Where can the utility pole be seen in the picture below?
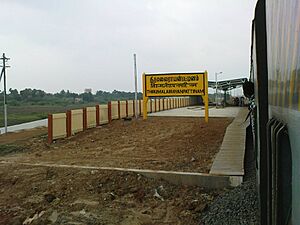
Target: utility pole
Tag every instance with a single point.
(3, 73)
(135, 84)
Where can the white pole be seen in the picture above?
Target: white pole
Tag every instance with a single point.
(135, 84)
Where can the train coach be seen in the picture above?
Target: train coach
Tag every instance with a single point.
(274, 90)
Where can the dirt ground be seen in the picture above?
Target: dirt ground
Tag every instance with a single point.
(73, 196)
(179, 144)
(50, 195)
(22, 136)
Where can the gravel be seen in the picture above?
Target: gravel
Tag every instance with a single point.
(238, 205)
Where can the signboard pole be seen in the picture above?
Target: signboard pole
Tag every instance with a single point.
(145, 99)
(206, 96)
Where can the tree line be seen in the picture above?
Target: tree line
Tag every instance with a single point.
(40, 97)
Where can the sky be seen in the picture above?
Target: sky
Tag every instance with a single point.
(76, 44)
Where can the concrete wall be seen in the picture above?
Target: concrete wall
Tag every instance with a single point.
(161, 104)
(152, 105)
(59, 125)
(62, 125)
(123, 109)
(148, 106)
(166, 104)
(91, 117)
(139, 107)
(76, 121)
(114, 110)
(130, 108)
(103, 117)
(157, 105)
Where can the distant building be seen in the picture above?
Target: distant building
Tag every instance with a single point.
(77, 100)
(88, 90)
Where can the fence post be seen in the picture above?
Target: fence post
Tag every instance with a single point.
(69, 123)
(159, 105)
(126, 108)
(140, 106)
(133, 108)
(119, 109)
(109, 112)
(84, 119)
(50, 128)
(97, 116)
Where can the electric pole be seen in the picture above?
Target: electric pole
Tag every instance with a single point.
(3, 73)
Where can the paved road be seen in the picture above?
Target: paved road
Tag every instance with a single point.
(24, 126)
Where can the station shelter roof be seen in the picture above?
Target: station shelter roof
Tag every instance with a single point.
(226, 85)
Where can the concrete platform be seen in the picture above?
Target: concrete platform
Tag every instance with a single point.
(198, 111)
(230, 159)
(209, 181)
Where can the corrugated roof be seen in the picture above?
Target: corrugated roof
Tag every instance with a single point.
(227, 84)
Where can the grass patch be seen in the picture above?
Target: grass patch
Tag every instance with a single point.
(10, 148)
(28, 113)
(14, 119)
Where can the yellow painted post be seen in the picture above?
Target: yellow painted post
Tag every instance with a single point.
(206, 95)
(145, 99)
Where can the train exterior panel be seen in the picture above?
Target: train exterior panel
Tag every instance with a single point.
(275, 71)
(283, 52)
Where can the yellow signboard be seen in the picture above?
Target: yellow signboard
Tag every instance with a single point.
(174, 84)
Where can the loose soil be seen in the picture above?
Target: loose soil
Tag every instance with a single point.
(21, 137)
(43, 195)
(179, 144)
(73, 196)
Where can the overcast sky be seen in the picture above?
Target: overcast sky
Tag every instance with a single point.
(77, 44)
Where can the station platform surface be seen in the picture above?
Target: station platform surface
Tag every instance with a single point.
(230, 159)
(198, 111)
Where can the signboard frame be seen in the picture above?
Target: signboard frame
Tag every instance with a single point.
(181, 90)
